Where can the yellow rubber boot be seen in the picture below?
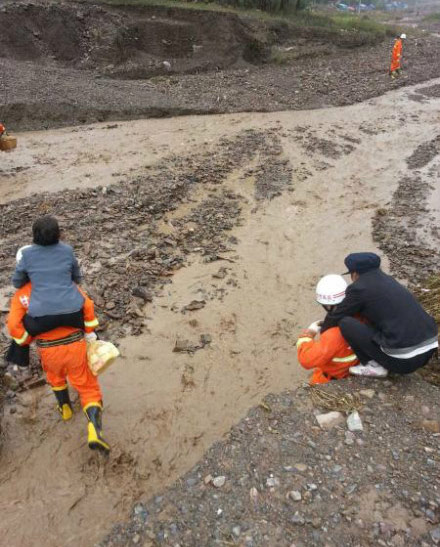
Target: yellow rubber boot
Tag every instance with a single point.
(64, 405)
(93, 411)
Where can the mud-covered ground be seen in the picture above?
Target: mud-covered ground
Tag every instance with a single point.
(280, 479)
(102, 63)
(181, 242)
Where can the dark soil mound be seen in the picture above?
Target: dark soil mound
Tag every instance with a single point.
(126, 42)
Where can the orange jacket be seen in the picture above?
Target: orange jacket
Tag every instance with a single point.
(18, 309)
(2, 128)
(397, 55)
(330, 356)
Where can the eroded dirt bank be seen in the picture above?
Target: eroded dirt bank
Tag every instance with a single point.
(101, 63)
(332, 170)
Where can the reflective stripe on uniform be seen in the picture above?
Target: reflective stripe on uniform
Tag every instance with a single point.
(302, 340)
(91, 324)
(61, 388)
(347, 359)
(22, 340)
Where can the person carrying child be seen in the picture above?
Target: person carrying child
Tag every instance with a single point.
(63, 357)
(53, 270)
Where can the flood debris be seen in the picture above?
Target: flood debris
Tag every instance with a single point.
(185, 346)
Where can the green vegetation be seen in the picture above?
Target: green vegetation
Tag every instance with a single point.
(432, 18)
(332, 21)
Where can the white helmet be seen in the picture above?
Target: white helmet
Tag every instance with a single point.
(19, 254)
(403, 36)
(331, 289)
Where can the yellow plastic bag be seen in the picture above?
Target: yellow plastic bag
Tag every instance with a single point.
(100, 355)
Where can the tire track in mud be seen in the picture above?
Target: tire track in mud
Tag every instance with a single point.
(114, 229)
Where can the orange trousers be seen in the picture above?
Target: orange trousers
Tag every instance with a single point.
(395, 64)
(69, 362)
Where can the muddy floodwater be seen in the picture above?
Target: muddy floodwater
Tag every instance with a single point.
(163, 409)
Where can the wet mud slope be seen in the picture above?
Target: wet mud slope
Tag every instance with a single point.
(100, 63)
(201, 242)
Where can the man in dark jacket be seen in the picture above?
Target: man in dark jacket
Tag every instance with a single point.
(399, 336)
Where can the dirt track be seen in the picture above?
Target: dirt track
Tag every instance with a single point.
(164, 409)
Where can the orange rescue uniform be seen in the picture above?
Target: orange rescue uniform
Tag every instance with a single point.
(330, 356)
(64, 361)
(396, 56)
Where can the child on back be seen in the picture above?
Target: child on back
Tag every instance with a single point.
(53, 270)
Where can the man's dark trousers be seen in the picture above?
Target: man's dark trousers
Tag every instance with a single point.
(360, 338)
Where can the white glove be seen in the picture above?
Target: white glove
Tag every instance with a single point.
(90, 336)
(315, 327)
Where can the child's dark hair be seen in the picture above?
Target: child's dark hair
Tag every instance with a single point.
(46, 231)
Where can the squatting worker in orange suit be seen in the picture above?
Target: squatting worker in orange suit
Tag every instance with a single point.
(396, 56)
(330, 356)
(64, 357)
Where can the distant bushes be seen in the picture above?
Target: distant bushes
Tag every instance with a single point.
(271, 6)
(432, 18)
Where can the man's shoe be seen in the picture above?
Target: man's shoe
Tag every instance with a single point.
(64, 405)
(95, 439)
(371, 369)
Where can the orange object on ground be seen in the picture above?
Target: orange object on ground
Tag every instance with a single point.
(60, 362)
(396, 55)
(330, 356)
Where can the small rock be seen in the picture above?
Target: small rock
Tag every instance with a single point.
(301, 467)
(297, 519)
(194, 305)
(205, 339)
(236, 530)
(294, 495)
(435, 535)
(140, 292)
(208, 479)
(191, 481)
(272, 482)
(354, 422)
(330, 419)
(349, 438)
(136, 539)
(221, 274)
(183, 346)
(369, 393)
(432, 426)
(218, 482)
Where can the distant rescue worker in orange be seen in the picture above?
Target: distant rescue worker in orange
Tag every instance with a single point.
(2, 129)
(330, 357)
(396, 58)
